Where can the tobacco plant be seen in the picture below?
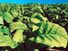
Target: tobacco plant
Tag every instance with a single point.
(19, 26)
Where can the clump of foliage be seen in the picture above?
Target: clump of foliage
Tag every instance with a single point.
(27, 24)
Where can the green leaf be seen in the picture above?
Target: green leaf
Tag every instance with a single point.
(39, 16)
(40, 9)
(7, 41)
(18, 25)
(35, 20)
(14, 13)
(52, 35)
(1, 30)
(37, 8)
(34, 27)
(6, 30)
(1, 20)
(36, 50)
(18, 36)
(8, 17)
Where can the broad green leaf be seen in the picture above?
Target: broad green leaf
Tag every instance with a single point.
(18, 25)
(52, 35)
(7, 41)
(8, 17)
(1, 20)
(18, 36)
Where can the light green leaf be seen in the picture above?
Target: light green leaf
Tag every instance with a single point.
(1, 20)
(7, 41)
(52, 35)
(14, 13)
(35, 20)
(18, 36)
(34, 27)
(8, 17)
(18, 25)
(39, 16)
(1, 30)
(36, 50)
